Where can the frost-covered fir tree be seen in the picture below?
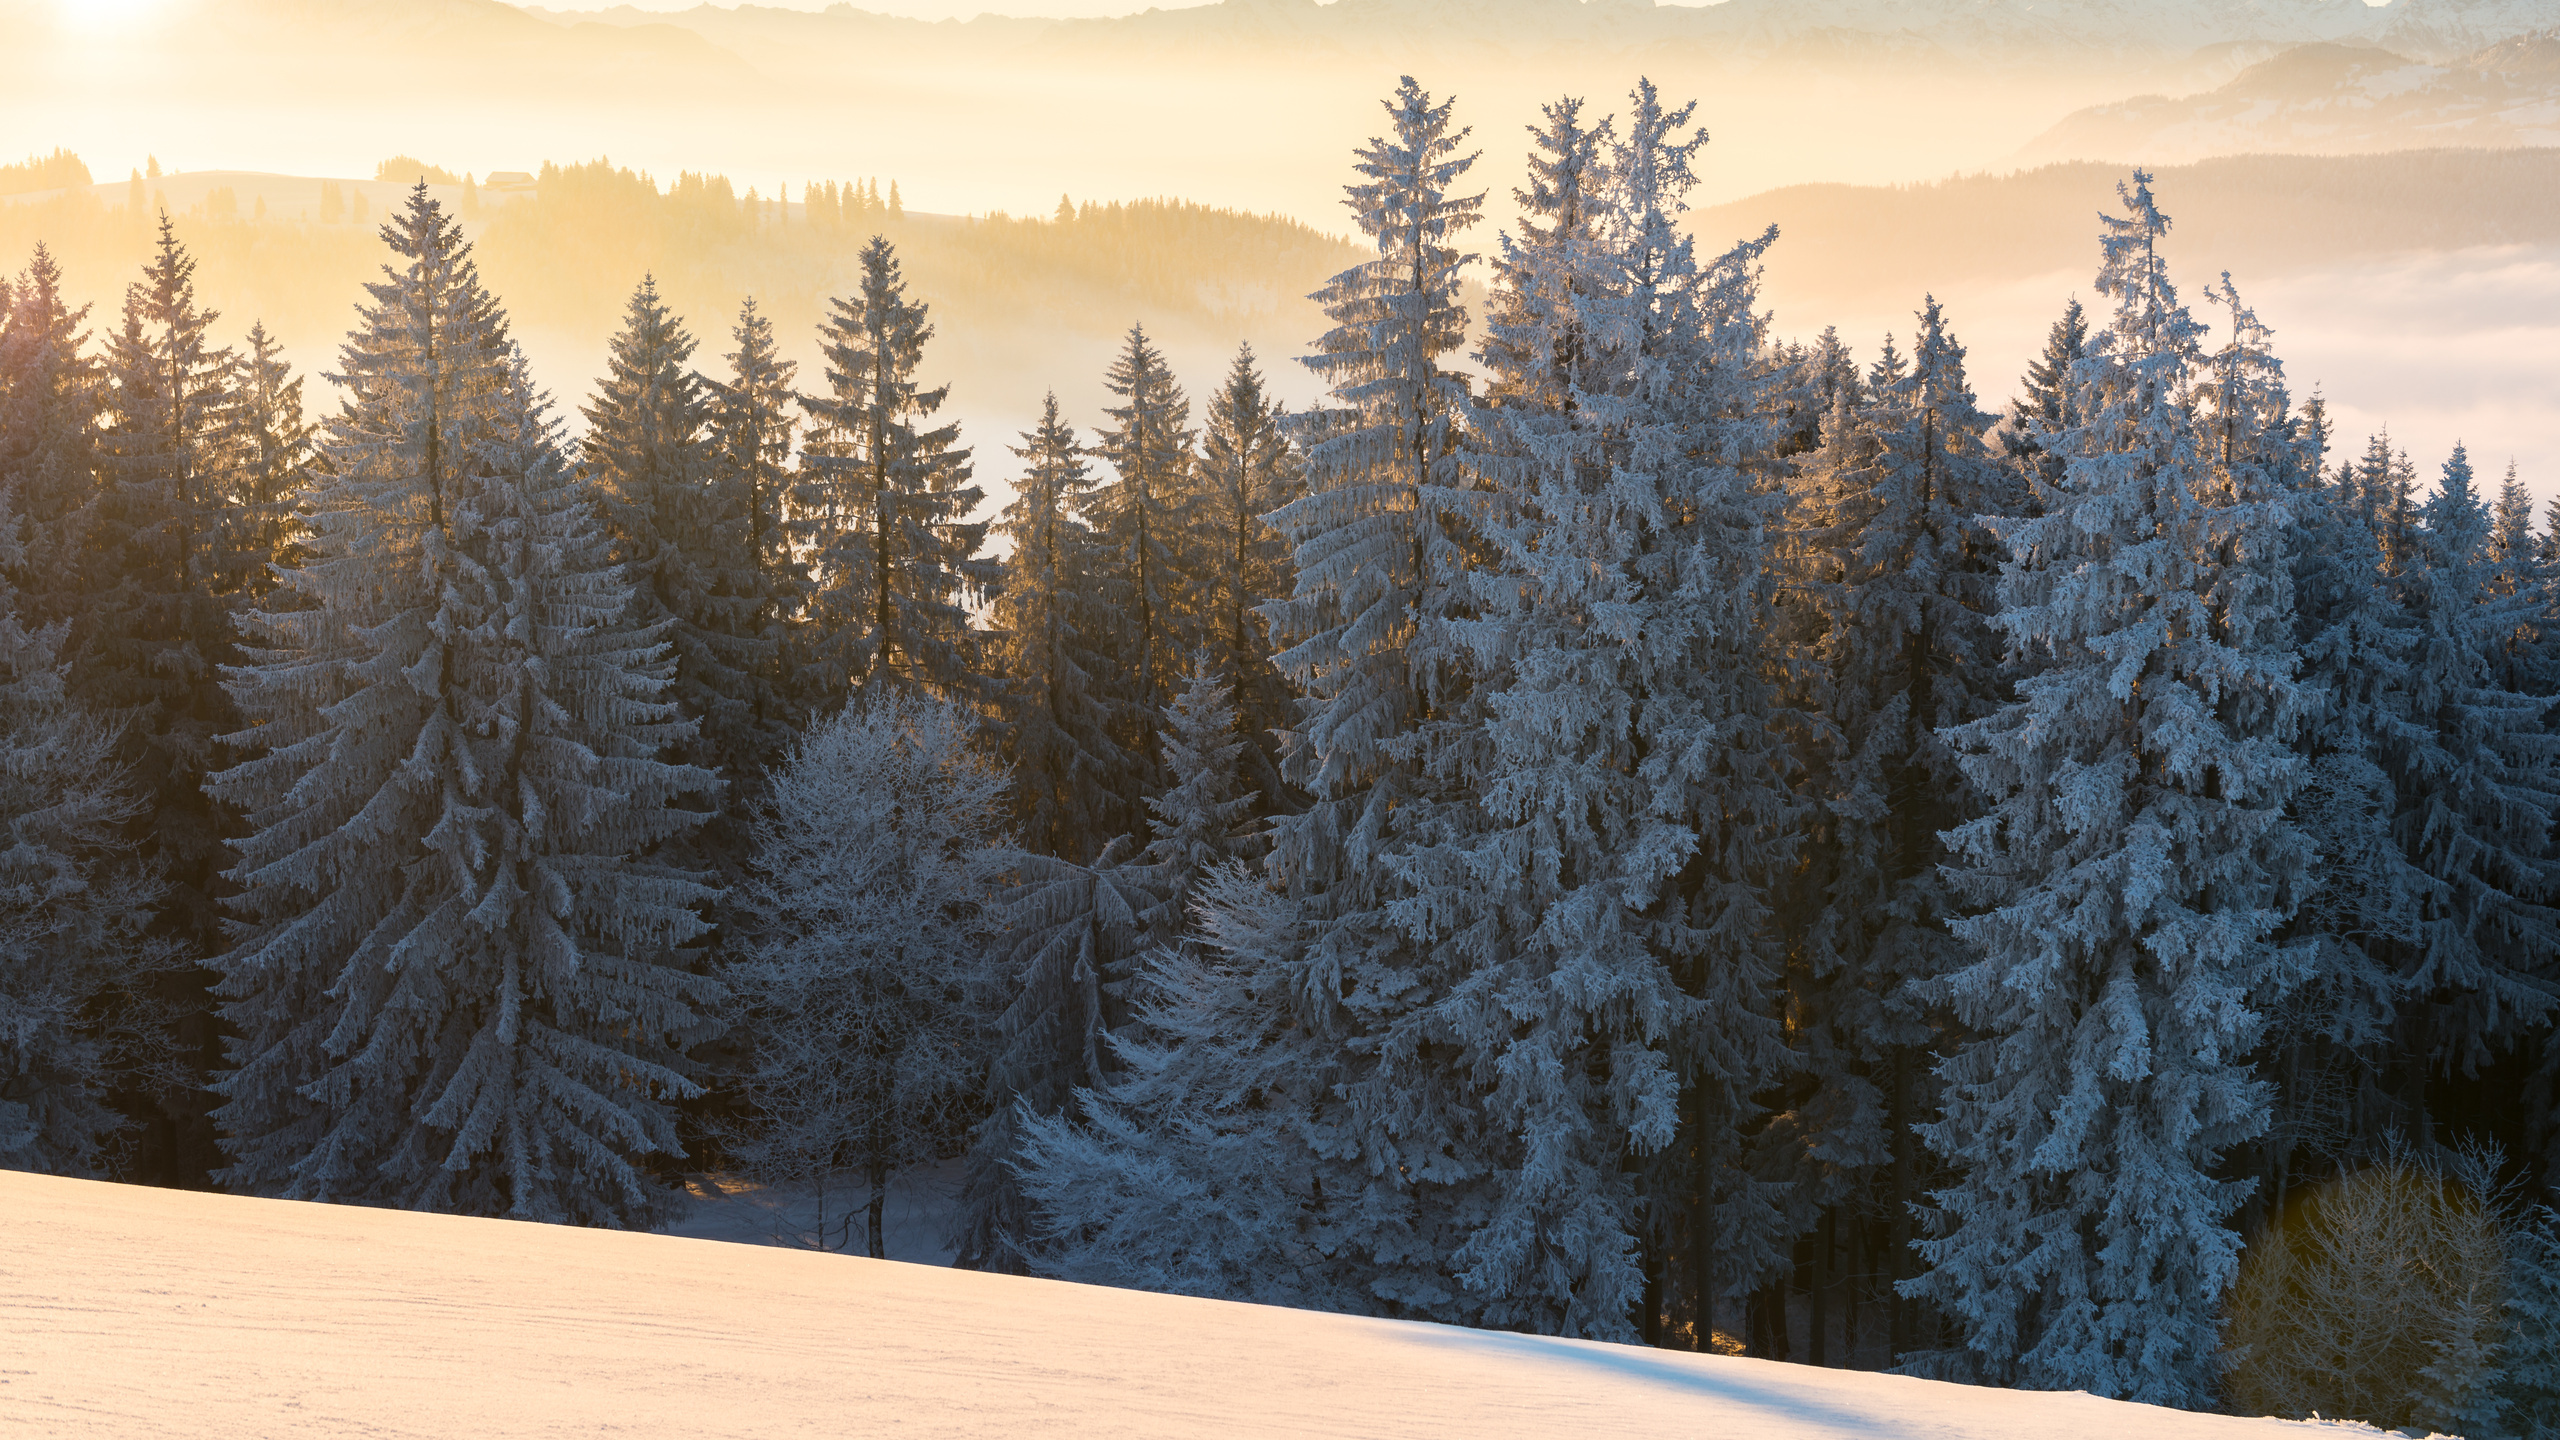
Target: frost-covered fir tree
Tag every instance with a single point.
(1247, 469)
(1076, 941)
(682, 538)
(1143, 516)
(1296, 1127)
(50, 393)
(2477, 787)
(2529, 1363)
(751, 429)
(273, 451)
(1069, 771)
(881, 842)
(2353, 644)
(1903, 569)
(76, 1022)
(159, 578)
(1545, 271)
(454, 983)
(2129, 877)
(1608, 925)
(883, 504)
(2043, 406)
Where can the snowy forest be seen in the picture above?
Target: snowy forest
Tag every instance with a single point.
(1612, 824)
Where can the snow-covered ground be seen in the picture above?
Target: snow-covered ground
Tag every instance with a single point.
(132, 1312)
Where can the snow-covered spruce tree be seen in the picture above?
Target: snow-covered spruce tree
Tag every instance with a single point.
(682, 538)
(1295, 1125)
(2135, 862)
(1809, 381)
(2043, 406)
(881, 842)
(1076, 937)
(1143, 516)
(1904, 571)
(272, 443)
(452, 985)
(1609, 924)
(882, 507)
(50, 393)
(2531, 660)
(2476, 789)
(2354, 642)
(1247, 469)
(751, 428)
(1069, 771)
(2529, 1360)
(158, 579)
(76, 966)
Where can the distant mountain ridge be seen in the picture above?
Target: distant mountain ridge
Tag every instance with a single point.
(1743, 32)
(2331, 98)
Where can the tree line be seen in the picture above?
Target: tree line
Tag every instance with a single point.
(1672, 836)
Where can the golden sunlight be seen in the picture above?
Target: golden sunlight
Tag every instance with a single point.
(106, 17)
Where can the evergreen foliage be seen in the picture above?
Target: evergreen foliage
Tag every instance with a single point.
(863, 986)
(1294, 1125)
(1247, 470)
(52, 392)
(882, 504)
(684, 539)
(274, 435)
(1143, 519)
(162, 561)
(453, 984)
(1904, 570)
(2129, 876)
(1619, 962)
(750, 429)
(1051, 615)
(77, 1018)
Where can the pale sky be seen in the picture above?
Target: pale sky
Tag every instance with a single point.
(919, 9)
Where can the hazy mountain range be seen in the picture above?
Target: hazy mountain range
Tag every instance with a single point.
(2332, 97)
(1737, 32)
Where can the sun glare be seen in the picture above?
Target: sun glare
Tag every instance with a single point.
(107, 17)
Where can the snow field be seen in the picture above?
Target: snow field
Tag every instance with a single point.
(127, 1311)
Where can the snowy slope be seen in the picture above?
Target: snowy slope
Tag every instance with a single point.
(126, 1311)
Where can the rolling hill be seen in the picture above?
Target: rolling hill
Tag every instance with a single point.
(133, 1311)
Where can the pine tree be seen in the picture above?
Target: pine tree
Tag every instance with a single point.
(879, 846)
(685, 540)
(273, 441)
(52, 393)
(1144, 518)
(2477, 787)
(882, 505)
(1077, 941)
(156, 622)
(1294, 1125)
(2529, 1363)
(2043, 407)
(77, 1018)
(1247, 470)
(2354, 641)
(2130, 873)
(1906, 650)
(750, 431)
(1617, 975)
(453, 986)
(1069, 770)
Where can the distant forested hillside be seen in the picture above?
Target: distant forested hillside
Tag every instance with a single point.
(1009, 294)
